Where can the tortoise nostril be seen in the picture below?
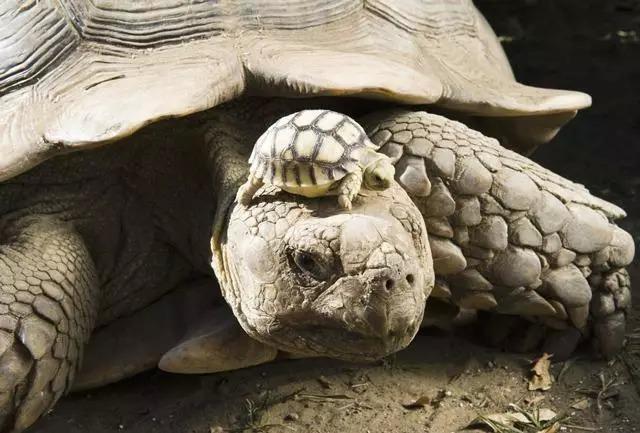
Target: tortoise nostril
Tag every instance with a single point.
(410, 279)
(389, 284)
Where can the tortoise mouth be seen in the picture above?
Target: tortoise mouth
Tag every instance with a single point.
(341, 343)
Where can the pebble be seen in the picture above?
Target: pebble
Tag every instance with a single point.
(292, 417)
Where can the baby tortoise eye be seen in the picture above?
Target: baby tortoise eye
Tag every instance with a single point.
(308, 264)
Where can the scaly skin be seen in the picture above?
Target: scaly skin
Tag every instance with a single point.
(84, 240)
(48, 307)
(508, 235)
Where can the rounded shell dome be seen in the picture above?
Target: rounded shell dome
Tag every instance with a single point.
(309, 148)
(81, 73)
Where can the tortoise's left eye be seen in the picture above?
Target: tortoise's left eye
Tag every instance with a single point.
(309, 265)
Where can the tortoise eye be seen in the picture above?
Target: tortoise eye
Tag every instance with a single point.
(309, 265)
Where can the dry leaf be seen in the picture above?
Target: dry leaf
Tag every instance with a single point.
(532, 401)
(553, 428)
(498, 421)
(509, 419)
(581, 404)
(418, 403)
(540, 378)
(545, 414)
(542, 414)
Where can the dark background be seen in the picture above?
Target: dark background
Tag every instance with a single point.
(594, 47)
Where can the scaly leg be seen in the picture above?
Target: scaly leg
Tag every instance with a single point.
(248, 190)
(348, 189)
(48, 304)
(509, 236)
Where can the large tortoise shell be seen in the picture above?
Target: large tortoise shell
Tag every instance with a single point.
(81, 73)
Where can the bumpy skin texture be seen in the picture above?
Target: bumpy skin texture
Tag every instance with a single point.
(309, 278)
(508, 235)
(48, 307)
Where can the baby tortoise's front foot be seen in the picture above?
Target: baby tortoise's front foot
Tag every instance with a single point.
(48, 304)
(509, 236)
(348, 189)
(248, 190)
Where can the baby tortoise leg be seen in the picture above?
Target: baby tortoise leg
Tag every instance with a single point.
(510, 237)
(348, 189)
(248, 190)
(48, 305)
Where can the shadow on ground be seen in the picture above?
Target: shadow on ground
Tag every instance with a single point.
(454, 379)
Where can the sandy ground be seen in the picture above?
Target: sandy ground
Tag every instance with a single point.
(590, 45)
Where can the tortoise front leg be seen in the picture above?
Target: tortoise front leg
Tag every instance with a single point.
(48, 305)
(248, 190)
(348, 189)
(509, 236)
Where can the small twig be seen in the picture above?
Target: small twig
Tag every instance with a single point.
(580, 427)
(604, 388)
(322, 398)
(346, 406)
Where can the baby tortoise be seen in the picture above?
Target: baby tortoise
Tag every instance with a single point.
(314, 153)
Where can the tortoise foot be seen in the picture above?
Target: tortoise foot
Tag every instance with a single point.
(47, 310)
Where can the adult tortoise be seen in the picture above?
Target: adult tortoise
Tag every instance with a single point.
(125, 243)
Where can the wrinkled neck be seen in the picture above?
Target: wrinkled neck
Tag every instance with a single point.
(228, 149)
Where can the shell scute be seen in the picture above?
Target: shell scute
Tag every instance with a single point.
(305, 144)
(350, 133)
(329, 120)
(330, 150)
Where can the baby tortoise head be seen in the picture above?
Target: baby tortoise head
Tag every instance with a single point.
(308, 277)
(379, 174)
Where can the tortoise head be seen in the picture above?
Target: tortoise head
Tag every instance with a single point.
(379, 174)
(307, 277)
